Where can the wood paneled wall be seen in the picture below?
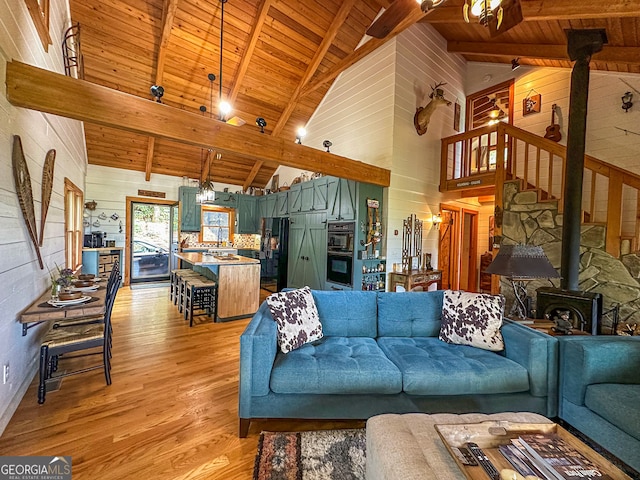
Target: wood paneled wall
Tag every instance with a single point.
(20, 274)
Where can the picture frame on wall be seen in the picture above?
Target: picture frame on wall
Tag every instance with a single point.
(275, 180)
(531, 104)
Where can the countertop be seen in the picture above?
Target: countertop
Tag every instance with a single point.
(101, 249)
(197, 258)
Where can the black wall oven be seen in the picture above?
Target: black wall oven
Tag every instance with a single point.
(340, 241)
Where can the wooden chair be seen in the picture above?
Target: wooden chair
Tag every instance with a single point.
(85, 337)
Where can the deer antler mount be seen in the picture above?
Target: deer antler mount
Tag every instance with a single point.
(423, 114)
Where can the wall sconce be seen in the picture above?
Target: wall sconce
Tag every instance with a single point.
(627, 101)
(300, 135)
(515, 64)
(261, 122)
(437, 220)
(426, 5)
(326, 144)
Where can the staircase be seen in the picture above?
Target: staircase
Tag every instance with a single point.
(478, 162)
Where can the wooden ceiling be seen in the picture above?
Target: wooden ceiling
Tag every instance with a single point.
(280, 58)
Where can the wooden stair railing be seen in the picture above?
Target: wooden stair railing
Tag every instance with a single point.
(486, 157)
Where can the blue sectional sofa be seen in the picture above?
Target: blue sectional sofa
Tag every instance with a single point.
(381, 354)
(600, 392)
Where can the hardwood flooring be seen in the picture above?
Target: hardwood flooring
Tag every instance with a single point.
(170, 413)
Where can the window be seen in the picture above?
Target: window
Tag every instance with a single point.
(39, 11)
(73, 209)
(217, 225)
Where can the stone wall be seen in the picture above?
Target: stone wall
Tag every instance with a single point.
(527, 220)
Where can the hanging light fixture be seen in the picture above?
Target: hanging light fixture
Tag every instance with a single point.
(224, 107)
(206, 194)
(483, 10)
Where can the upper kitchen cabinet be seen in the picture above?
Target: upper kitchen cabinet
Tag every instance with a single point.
(247, 214)
(341, 199)
(226, 199)
(308, 196)
(282, 204)
(189, 209)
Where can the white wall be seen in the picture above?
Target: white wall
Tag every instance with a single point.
(20, 274)
(368, 116)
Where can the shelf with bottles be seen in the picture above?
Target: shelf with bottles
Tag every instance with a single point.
(375, 283)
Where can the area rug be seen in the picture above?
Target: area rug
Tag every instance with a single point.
(316, 455)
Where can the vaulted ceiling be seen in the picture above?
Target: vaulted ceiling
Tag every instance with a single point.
(279, 58)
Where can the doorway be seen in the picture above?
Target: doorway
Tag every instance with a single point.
(149, 240)
(458, 248)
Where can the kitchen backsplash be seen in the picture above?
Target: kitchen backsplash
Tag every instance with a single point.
(239, 241)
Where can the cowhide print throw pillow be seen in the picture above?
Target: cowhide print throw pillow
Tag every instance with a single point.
(472, 319)
(297, 318)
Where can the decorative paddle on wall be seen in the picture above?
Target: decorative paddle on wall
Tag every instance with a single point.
(25, 195)
(47, 186)
(553, 130)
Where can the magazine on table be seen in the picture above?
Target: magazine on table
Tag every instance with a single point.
(552, 454)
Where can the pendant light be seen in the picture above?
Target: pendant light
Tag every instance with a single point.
(483, 10)
(206, 193)
(224, 107)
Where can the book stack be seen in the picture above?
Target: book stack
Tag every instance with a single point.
(549, 457)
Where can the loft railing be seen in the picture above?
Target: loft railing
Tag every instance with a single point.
(484, 158)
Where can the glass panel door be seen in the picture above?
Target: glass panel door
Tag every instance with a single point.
(150, 242)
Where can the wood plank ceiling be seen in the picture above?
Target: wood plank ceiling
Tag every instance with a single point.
(280, 58)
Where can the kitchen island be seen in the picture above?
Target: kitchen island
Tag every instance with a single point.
(238, 282)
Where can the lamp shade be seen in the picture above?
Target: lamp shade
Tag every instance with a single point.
(522, 262)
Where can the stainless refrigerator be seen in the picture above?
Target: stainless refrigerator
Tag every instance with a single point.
(274, 248)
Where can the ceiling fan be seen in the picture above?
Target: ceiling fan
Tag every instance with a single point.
(498, 16)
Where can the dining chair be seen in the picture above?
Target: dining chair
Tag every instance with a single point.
(90, 338)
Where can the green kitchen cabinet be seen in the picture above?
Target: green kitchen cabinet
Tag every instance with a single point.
(226, 199)
(282, 204)
(341, 199)
(189, 209)
(247, 214)
(295, 198)
(261, 211)
(307, 260)
(270, 205)
(313, 195)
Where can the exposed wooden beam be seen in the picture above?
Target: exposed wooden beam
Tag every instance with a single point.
(627, 55)
(335, 26)
(168, 14)
(252, 174)
(545, 10)
(360, 53)
(50, 92)
(204, 174)
(150, 150)
(248, 52)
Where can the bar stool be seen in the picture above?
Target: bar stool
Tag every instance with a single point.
(200, 294)
(174, 282)
(181, 279)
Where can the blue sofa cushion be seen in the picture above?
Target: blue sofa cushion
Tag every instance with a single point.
(336, 365)
(617, 403)
(347, 314)
(432, 367)
(409, 314)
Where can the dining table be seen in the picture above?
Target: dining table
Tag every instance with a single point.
(42, 311)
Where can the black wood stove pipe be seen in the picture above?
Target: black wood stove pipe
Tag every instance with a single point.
(581, 45)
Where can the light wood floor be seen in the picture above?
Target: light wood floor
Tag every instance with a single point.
(170, 413)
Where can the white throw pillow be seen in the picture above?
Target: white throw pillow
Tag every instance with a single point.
(297, 318)
(472, 319)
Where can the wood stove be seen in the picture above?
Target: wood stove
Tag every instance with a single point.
(585, 308)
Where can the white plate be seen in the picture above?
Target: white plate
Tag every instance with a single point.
(92, 288)
(64, 303)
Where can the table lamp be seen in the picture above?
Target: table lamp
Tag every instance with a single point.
(521, 264)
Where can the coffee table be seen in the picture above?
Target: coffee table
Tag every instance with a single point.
(409, 447)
